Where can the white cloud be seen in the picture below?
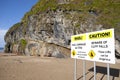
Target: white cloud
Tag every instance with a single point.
(2, 34)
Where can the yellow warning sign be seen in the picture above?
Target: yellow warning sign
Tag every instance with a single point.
(73, 53)
(91, 54)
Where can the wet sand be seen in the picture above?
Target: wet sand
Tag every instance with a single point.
(13, 67)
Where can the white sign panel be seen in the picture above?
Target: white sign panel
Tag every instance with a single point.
(94, 46)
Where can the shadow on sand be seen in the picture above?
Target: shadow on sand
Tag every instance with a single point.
(103, 70)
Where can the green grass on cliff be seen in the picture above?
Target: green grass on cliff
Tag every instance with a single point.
(41, 6)
(23, 44)
(107, 11)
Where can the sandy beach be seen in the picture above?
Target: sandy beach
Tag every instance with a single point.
(13, 67)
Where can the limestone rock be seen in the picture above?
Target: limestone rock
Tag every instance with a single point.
(117, 48)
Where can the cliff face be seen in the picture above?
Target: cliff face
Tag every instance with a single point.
(48, 33)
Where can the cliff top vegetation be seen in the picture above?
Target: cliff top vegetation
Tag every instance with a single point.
(107, 11)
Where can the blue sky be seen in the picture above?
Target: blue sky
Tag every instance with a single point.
(11, 12)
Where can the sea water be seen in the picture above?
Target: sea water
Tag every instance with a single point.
(1, 49)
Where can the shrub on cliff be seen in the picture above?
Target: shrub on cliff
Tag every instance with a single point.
(22, 45)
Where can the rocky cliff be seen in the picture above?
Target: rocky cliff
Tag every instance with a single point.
(46, 29)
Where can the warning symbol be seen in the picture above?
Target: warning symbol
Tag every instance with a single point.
(73, 53)
(91, 54)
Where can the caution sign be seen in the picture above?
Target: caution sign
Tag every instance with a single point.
(101, 46)
(91, 54)
(94, 46)
(78, 46)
